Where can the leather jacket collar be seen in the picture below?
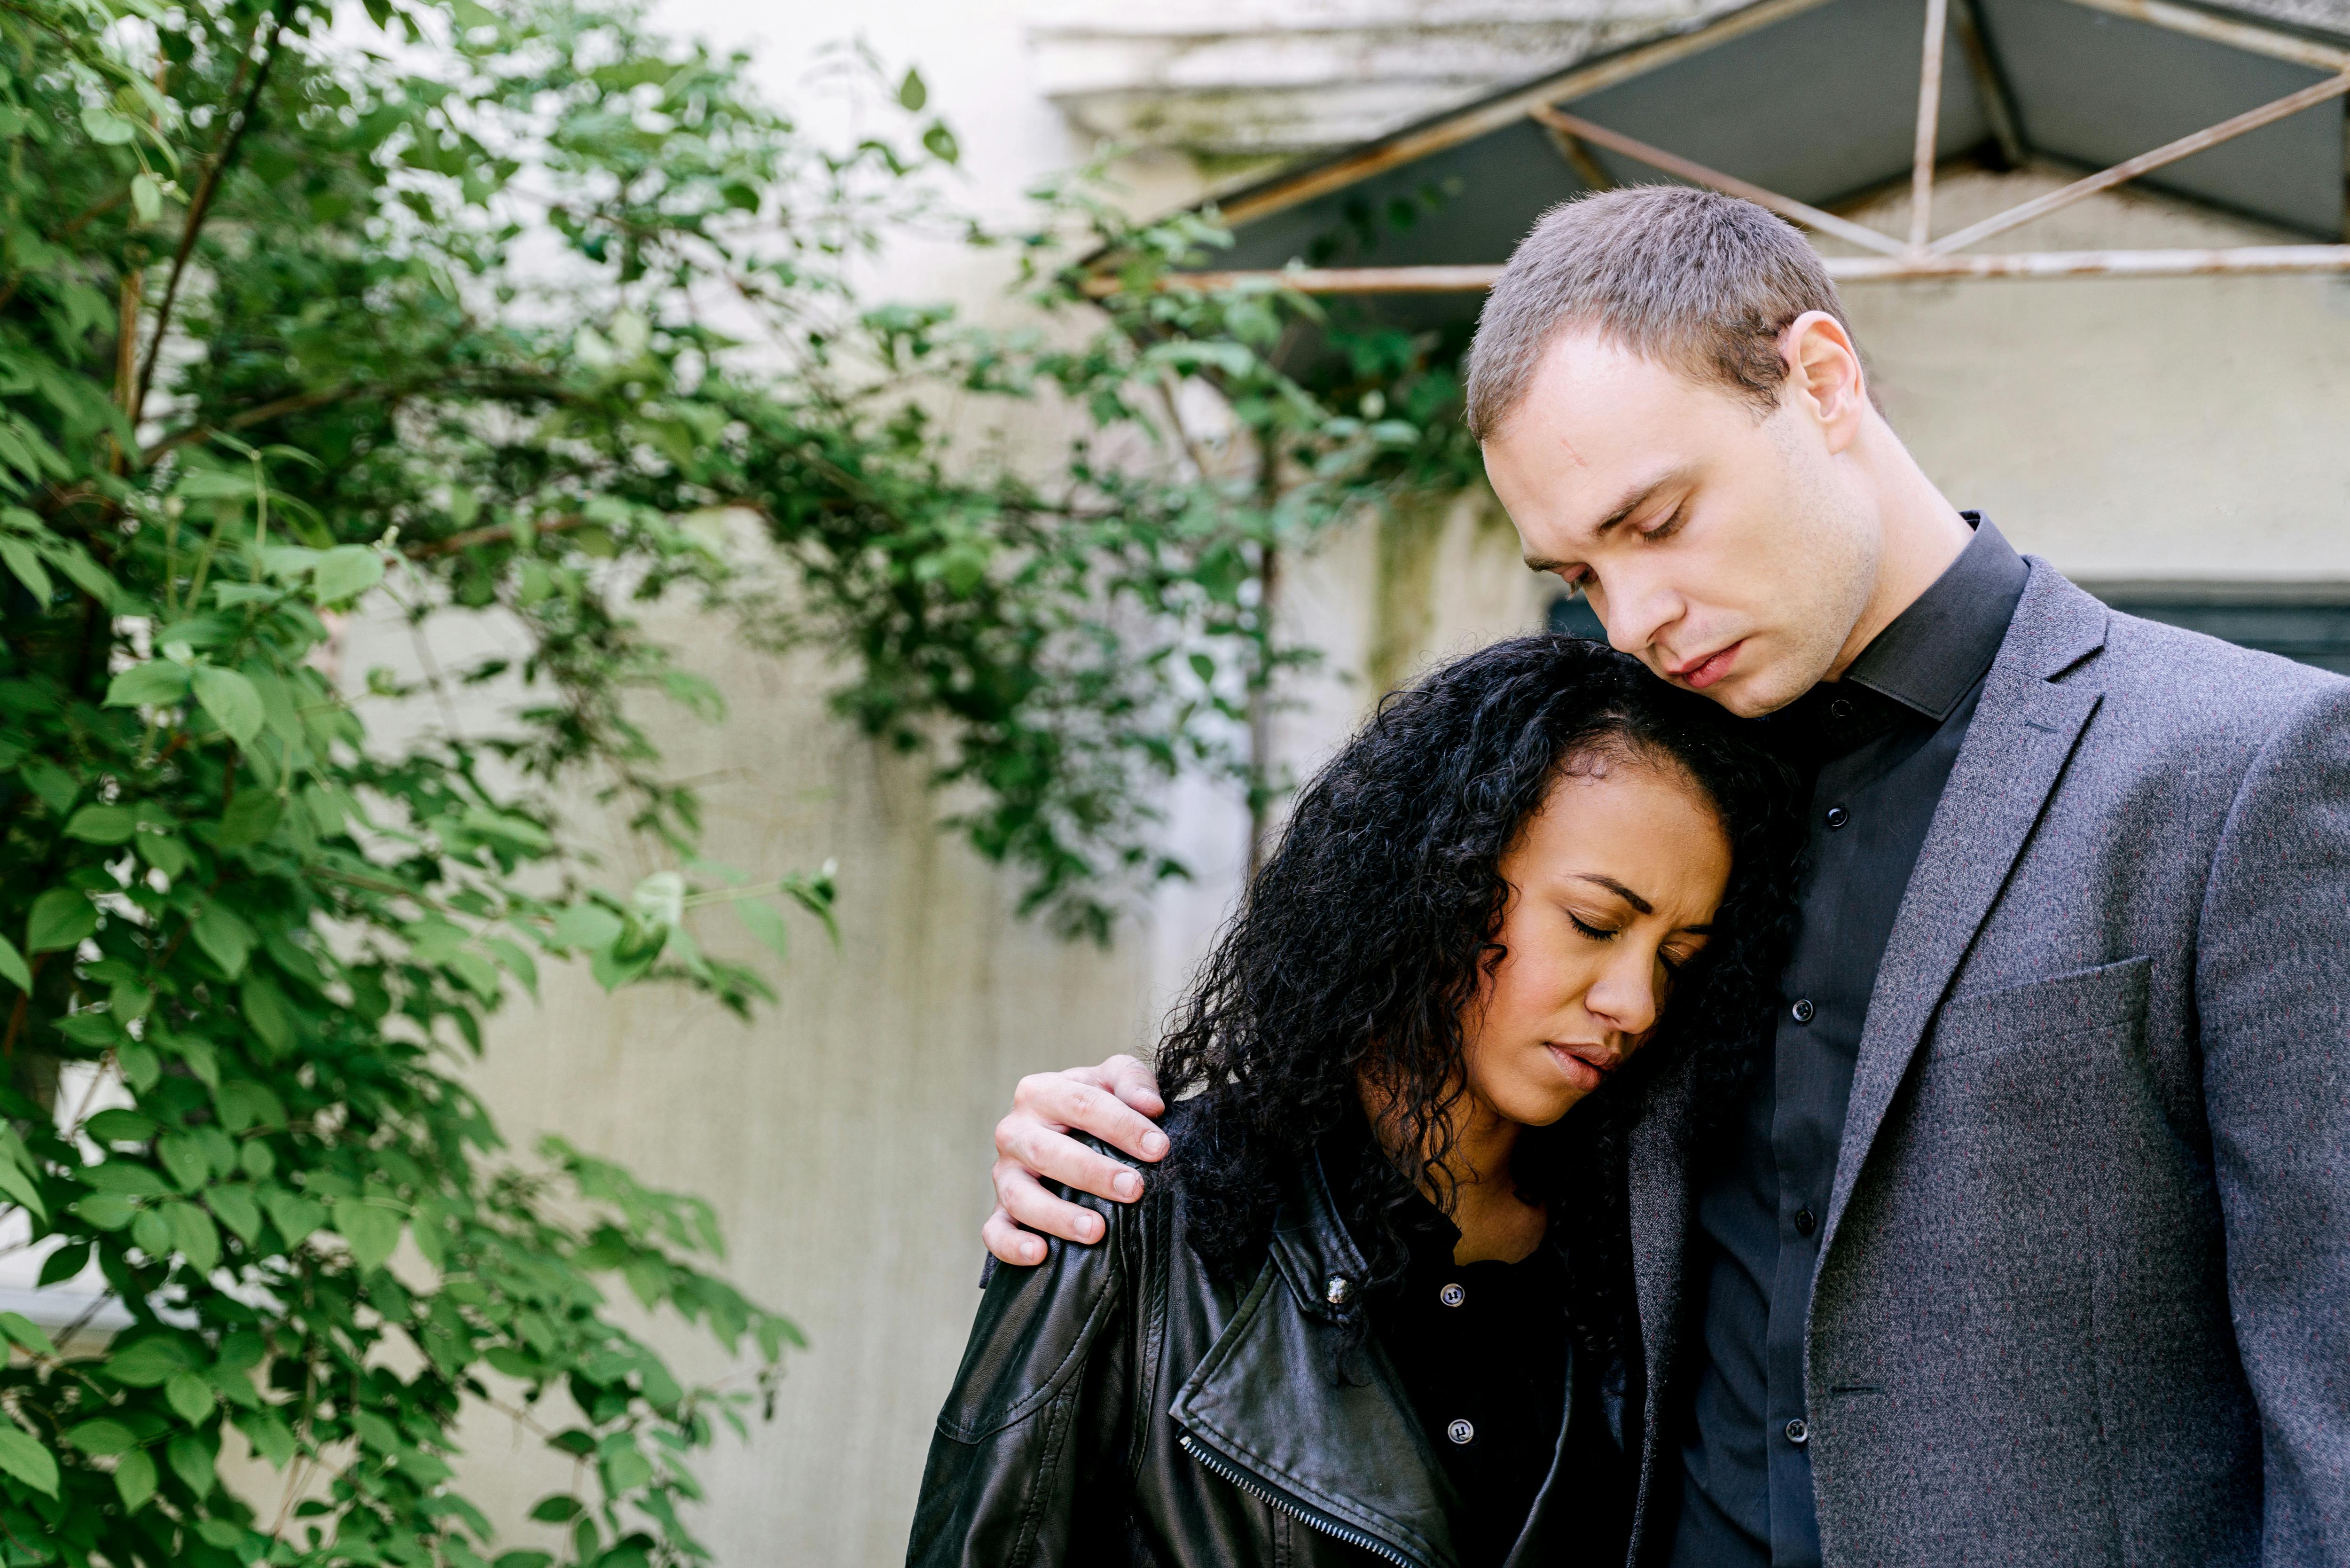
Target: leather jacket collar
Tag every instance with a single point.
(1350, 1458)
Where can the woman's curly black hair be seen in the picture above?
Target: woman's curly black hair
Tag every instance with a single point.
(1367, 934)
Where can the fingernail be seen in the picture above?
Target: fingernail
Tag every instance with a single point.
(1127, 1184)
(1154, 1144)
(1033, 1251)
(1093, 1229)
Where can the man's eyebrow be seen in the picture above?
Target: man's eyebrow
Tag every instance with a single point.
(1617, 888)
(1632, 501)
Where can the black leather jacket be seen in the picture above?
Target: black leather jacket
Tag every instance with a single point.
(1118, 1406)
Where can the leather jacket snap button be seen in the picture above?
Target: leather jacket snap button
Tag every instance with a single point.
(1337, 1289)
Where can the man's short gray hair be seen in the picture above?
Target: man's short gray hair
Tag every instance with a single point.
(1700, 282)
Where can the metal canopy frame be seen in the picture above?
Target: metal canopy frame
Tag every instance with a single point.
(1914, 255)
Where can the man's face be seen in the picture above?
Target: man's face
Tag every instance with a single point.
(1733, 553)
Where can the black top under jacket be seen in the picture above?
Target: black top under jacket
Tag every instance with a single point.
(1878, 745)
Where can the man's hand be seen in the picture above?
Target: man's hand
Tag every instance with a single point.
(1114, 1102)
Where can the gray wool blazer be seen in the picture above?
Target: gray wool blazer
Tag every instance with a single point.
(2083, 1293)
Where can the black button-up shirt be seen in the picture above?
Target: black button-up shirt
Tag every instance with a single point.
(1880, 744)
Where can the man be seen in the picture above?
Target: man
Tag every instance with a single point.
(2033, 1245)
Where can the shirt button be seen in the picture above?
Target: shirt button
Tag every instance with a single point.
(1840, 709)
(1461, 1432)
(1797, 1433)
(1804, 1221)
(1839, 816)
(1452, 1295)
(1804, 1011)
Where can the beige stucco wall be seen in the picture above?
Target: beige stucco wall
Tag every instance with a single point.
(2124, 429)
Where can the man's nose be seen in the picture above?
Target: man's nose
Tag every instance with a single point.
(1635, 611)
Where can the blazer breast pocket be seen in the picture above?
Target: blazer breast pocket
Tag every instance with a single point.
(2108, 998)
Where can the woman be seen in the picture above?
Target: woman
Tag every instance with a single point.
(1380, 1310)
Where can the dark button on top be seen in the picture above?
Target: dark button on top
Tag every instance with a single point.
(1797, 1433)
(1840, 709)
(1805, 1222)
(1804, 1011)
(1839, 816)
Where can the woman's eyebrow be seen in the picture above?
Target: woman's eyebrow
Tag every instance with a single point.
(1617, 888)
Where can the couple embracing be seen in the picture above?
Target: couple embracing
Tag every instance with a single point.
(1861, 1076)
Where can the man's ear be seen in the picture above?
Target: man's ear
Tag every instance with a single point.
(1824, 376)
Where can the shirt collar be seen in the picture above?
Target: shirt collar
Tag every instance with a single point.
(1932, 654)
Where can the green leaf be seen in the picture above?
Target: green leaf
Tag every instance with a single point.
(23, 1331)
(191, 1461)
(23, 1456)
(244, 1103)
(911, 93)
(146, 1362)
(118, 1125)
(194, 1236)
(189, 1396)
(268, 1433)
(146, 197)
(107, 1210)
(184, 1160)
(13, 968)
(372, 1230)
(103, 824)
(295, 1216)
(27, 569)
(106, 127)
(232, 701)
(101, 1438)
(61, 917)
(346, 572)
(560, 1508)
(134, 1479)
(766, 923)
(237, 1211)
(225, 937)
(56, 787)
(250, 818)
(587, 925)
(266, 1010)
(65, 1262)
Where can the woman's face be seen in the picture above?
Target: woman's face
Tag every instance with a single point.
(1614, 886)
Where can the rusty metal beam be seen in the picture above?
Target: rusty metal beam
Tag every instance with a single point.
(2247, 35)
(1930, 125)
(1697, 173)
(1471, 123)
(2232, 261)
(1991, 82)
(1578, 158)
(2170, 153)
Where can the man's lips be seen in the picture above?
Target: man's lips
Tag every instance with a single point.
(1702, 672)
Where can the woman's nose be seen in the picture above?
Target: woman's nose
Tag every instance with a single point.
(1623, 999)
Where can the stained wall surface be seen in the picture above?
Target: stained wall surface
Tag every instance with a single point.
(2124, 429)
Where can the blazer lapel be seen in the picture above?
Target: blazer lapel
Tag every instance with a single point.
(1660, 1198)
(2024, 733)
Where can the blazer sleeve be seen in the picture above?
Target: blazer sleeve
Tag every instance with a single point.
(2273, 995)
(1017, 1468)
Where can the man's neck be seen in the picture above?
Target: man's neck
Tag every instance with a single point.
(1922, 533)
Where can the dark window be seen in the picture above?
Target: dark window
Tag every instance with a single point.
(2307, 621)
(1571, 617)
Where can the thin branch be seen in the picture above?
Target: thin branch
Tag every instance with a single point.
(200, 208)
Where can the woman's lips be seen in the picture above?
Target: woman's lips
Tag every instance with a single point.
(1711, 668)
(1585, 1067)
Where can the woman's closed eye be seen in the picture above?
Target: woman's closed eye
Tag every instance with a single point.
(1596, 933)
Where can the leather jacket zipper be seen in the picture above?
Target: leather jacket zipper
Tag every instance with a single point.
(1273, 1496)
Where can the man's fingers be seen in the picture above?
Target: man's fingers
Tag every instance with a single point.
(1056, 1100)
(1025, 1200)
(1135, 1084)
(1009, 1243)
(1040, 1150)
